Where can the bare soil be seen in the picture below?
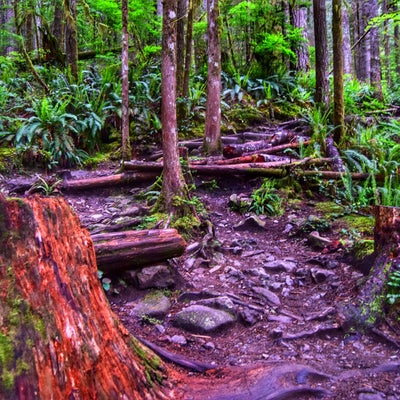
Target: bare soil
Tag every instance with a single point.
(303, 331)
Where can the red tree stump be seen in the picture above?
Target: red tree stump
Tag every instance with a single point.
(58, 337)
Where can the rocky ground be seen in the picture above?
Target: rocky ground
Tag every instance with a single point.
(252, 291)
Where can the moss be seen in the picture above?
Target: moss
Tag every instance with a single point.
(150, 361)
(362, 224)
(329, 209)
(8, 159)
(6, 361)
(362, 249)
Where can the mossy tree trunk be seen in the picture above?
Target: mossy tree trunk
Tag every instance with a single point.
(174, 198)
(371, 302)
(58, 337)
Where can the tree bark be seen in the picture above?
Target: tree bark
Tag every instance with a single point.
(299, 20)
(369, 309)
(173, 185)
(71, 37)
(58, 337)
(125, 144)
(321, 54)
(338, 87)
(129, 249)
(212, 138)
(375, 67)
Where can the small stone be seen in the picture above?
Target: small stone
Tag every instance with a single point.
(158, 276)
(178, 339)
(321, 275)
(280, 266)
(202, 319)
(251, 223)
(209, 346)
(270, 297)
(249, 317)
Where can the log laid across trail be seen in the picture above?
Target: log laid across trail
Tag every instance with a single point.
(118, 251)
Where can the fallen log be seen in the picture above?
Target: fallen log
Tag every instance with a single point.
(116, 251)
(28, 186)
(236, 150)
(333, 152)
(122, 179)
(256, 169)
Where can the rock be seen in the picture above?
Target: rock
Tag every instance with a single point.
(157, 276)
(318, 242)
(322, 275)
(154, 305)
(220, 303)
(249, 317)
(178, 339)
(270, 297)
(280, 318)
(251, 223)
(279, 266)
(202, 319)
(371, 396)
(209, 346)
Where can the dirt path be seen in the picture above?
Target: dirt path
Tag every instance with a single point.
(283, 292)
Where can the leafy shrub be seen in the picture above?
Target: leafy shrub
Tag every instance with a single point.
(266, 200)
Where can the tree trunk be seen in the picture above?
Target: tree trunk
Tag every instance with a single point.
(338, 90)
(321, 54)
(212, 139)
(188, 50)
(372, 297)
(347, 57)
(299, 20)
(58, 337)
(361, 53)
(129, 249)
(173, 184)
(375, 63)
(180, 46)
(71, 37)
(125, 146)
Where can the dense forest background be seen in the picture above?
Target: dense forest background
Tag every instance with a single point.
(333, 65)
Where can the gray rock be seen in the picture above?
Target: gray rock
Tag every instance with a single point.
(280, 266)
(249, 317)
(220, 303)
(202, 319)
(371, 396)
(178, 339)
(318, 242)
(251, 223)
(270, 297)
(280, 318)
(322, 275)
(154, 305)
(158, 276)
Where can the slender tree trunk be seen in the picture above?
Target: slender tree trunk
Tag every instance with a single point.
(212, 139)
(173, 185)
(337, 39)
(8, 22)
(347, 57)
(361, 53)
(71, 39)
(58, 336)
(321, 54)
(25, 53)
(125, 148)
(180, 46)
(57, 24)
(188, 51)
(375, 63)
(299, 20)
